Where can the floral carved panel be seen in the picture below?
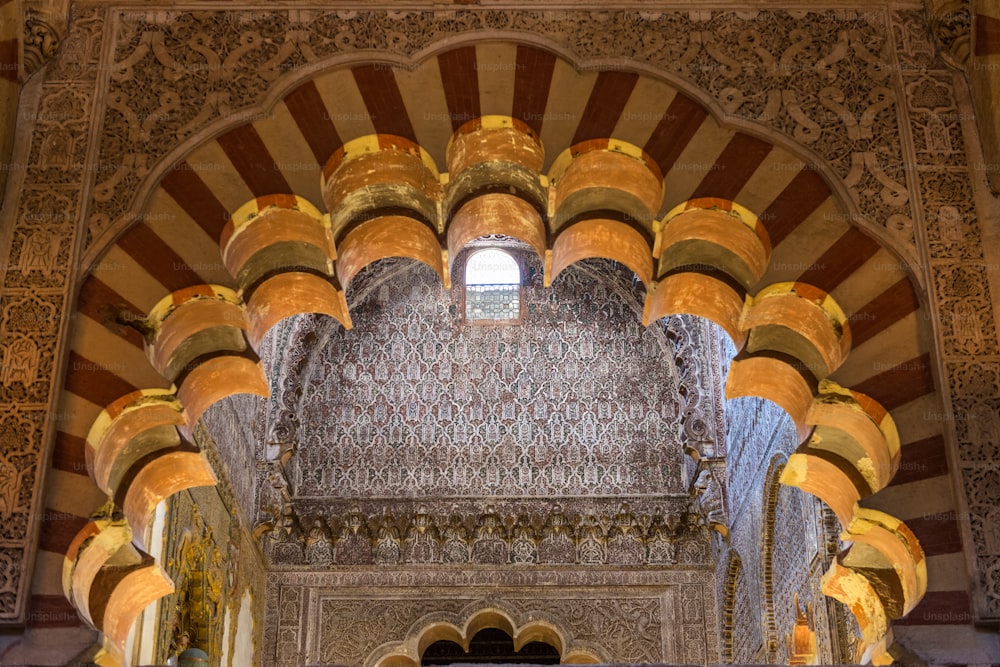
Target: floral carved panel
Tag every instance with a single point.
(944, 179)
(820, 77)
(622, 616)
(53, 170)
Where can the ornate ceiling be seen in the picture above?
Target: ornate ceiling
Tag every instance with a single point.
(415, 408)
(578, 399)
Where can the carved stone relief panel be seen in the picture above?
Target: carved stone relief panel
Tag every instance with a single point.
(19, 483)
(958, 273)
(818, 76)
(339, 618)
(38, 274)
(412, 402)
(30, 322)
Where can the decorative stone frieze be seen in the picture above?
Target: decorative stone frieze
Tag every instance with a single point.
(543, 536)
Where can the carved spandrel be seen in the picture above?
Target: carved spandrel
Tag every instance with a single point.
(605, 625)
(211, 74)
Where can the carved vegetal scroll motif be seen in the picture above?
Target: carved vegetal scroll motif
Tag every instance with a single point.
(400, 382)
(44, 29)
(38, 277)
(816, 76)
(956, 260)
(964, 339)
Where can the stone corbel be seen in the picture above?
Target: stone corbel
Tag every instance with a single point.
(46, 23)
(950, 22)
(269, 516)
(710, 494)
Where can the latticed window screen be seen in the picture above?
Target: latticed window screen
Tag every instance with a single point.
(492, 286)
(492, 302)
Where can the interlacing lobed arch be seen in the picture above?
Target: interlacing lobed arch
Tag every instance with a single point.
(461, 627)
(386, 198)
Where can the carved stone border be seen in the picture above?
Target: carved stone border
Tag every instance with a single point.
(39, 277)
(941, 144)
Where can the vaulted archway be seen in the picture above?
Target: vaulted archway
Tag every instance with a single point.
(805, 215)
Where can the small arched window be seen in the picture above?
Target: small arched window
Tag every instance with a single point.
(492, 287)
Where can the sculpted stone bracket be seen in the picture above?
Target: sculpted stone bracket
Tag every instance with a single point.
(710, 494)
(46, 23)
(950, 23)
(486, 537)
